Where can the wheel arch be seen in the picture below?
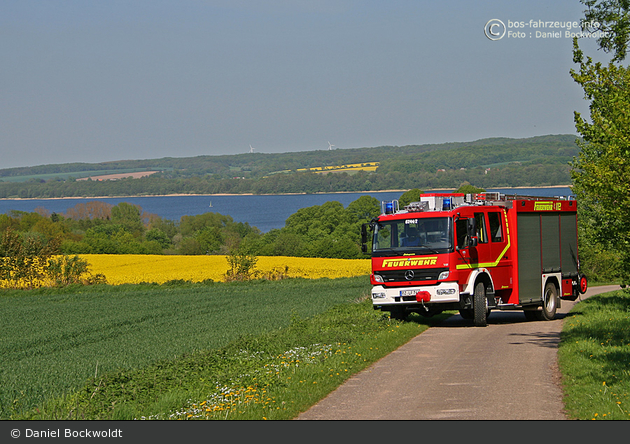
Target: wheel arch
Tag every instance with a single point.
(555, 279)
(479, 275)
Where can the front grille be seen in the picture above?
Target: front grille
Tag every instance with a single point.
(424, 274)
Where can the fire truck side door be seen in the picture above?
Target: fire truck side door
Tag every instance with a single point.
(482, 253)
(500, 253)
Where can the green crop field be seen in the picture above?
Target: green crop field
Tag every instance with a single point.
(52, 341)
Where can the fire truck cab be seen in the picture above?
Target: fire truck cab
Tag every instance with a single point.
(475, 253)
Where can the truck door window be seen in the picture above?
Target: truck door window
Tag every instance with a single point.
(460, 228)
(496, 228)
(482, 233)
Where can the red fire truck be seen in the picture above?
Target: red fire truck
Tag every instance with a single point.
(475, 253)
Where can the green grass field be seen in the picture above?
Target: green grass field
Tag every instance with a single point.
(255, 350)
(52, 341)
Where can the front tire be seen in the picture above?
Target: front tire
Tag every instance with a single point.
(480, 306)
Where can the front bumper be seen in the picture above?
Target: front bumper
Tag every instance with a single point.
(444, 292)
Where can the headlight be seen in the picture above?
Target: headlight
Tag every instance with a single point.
(378, 278)
(445, 291)
(378, 295)
(443, 275)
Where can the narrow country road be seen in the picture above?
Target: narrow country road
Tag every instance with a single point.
(505, 371)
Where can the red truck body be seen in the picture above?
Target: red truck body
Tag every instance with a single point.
(475, 253)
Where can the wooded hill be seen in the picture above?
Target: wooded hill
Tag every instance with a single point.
(486, 163)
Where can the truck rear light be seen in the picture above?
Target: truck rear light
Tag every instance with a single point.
(583, 283)
(423, 296)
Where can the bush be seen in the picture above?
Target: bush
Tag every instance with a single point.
(65, 270)
(23, 259)
(600, 264)
(241, 265)
(28, 261)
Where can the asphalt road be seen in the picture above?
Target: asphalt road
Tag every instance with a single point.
(505, 371)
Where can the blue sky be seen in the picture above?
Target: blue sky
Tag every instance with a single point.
(103, 80)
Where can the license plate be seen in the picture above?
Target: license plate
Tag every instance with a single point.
(408, 292)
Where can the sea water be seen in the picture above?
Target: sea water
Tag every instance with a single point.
(265, 212)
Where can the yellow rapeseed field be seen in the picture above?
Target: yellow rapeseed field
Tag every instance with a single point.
(131, 268)
(367, 166)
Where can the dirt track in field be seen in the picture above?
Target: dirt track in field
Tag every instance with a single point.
(505, 371)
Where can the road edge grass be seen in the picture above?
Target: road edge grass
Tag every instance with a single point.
(594, 358)
(272, 376)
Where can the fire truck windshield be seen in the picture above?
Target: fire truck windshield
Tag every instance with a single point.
(413, 235)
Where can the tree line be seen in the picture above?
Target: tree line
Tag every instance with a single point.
(559, 148)
(505, 176)
(96, 227)
(496, 163)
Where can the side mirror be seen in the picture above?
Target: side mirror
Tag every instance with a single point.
(364, 237)
(471, 228)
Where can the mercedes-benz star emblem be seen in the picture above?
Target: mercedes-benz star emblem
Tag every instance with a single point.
(409, 275)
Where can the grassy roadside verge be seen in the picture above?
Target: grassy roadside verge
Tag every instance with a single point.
(594, 358)
(275, 375)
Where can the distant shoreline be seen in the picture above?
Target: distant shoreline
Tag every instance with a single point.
(252, 194)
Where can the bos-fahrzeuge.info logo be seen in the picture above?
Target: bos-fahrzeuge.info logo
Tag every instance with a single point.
(496, 29)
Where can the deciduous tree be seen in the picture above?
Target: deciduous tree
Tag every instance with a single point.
(601, 169)
(612, 19)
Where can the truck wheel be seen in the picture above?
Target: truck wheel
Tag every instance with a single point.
(550, 302)
(480, 306)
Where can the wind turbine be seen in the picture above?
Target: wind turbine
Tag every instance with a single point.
(251, 149)
(330, 146)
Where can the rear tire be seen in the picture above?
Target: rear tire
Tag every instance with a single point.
(480, 306)
(549, 305)
(550, 302)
